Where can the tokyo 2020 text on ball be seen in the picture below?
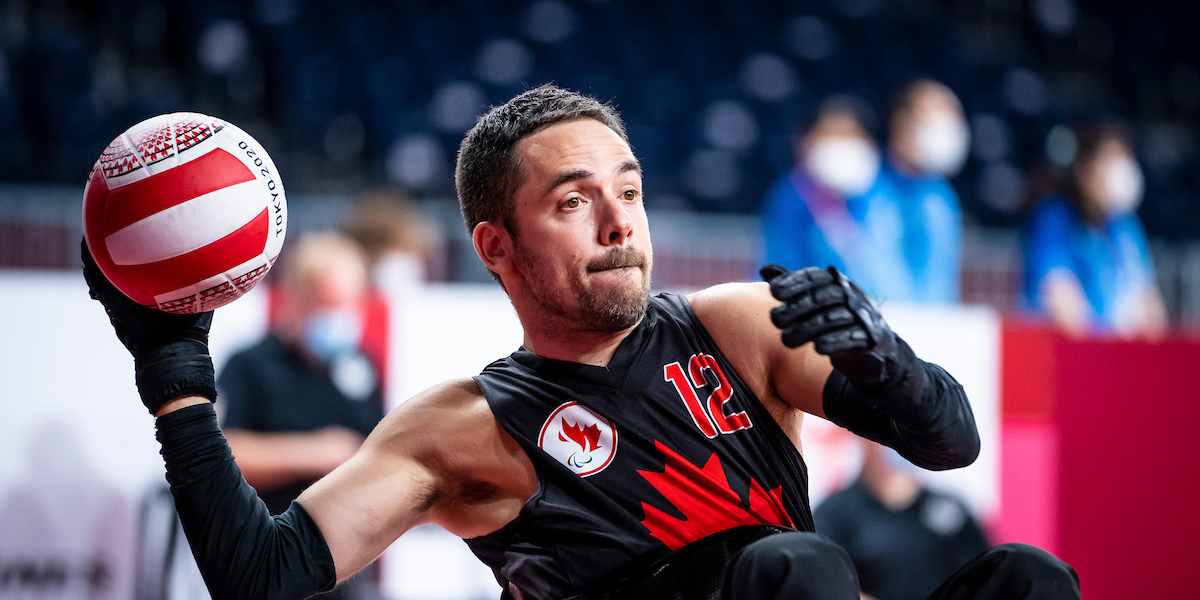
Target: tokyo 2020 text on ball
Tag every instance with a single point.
(184, 212)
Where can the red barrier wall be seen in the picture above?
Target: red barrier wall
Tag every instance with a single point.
(1124, 418)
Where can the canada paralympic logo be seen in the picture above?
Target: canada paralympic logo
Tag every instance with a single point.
(580, 439)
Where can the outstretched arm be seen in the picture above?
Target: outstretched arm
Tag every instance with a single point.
(856, 372)
(332, 531)
(242, 551)
(414, 468)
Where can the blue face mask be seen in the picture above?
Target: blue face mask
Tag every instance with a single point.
(332, 333)
(897, 462)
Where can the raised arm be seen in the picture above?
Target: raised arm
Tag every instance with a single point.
(738, 317)
(871, 383)
(440, 457)
(405, 474)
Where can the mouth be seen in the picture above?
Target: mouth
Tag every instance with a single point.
(627, 258)
(613, 268)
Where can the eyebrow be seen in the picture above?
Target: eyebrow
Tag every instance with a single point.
(629, 165)
(569, 176)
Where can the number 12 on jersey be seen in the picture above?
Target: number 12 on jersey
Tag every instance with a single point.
(709, 416)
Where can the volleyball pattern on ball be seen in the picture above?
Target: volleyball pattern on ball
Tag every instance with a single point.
(184, 213)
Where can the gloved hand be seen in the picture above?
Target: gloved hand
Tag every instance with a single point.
(170, 352)
(824, 307)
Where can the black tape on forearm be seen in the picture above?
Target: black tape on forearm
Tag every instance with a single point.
(242, 551)
(924, 415)
(181, 367)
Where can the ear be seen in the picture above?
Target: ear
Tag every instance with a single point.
(494, 246)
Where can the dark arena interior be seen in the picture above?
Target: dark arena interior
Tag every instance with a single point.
(1061, 252)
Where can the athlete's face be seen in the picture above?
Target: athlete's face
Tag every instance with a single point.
(583, 245)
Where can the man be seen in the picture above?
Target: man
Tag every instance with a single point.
(575, 464)
(301, 401)
(831, 208)
(928, 142)
(905, 538)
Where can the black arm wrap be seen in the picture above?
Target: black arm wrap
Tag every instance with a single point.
(242, 551)
(923, 413)
(180, 367)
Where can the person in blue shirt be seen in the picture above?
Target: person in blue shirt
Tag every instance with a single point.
(927, 143)
(1087, 264)
(831, 208)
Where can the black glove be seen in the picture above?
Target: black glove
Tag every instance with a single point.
(879, 389)
(824, 307)
(170, 352)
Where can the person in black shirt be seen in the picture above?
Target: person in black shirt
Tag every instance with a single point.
(905, 538)
(301, 401)
(552, 194)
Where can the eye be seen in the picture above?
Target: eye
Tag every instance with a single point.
(631, 195)
(572, 202)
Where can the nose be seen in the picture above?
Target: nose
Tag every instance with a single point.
(616, 226)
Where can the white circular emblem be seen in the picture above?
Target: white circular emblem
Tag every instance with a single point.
(353, 376)
(580, 439)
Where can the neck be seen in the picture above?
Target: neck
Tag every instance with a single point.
(895, 490)
(903, 166)
(584, 347)
(1093, 214)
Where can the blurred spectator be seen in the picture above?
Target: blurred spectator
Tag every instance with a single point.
(395, 236)
(928, 142)
(832, 209)
(904, 538)
(300, 402)
(1087, 264)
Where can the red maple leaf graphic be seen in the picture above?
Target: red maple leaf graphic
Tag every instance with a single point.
(707, 502)
(588, 437)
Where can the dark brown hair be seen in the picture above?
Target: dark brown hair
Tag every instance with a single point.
(489, 170)
(1048, 178)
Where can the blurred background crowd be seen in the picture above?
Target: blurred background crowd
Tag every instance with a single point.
(1037, 157)
(718, 96)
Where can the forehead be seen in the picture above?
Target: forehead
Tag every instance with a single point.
(338, 280)
(1112, 147)
(935, 98)
(838, 124)
(580, 144)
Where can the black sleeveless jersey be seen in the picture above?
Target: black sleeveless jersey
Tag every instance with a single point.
(662, 447)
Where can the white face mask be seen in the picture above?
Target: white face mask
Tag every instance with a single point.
(942, 141)
(846, 165)
(1123, 186)
(399, 273)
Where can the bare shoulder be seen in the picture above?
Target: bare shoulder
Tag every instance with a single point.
(733, 306)
(448, 420)
(439, 410)
(483, 476)
(441, 457)
(738, 317)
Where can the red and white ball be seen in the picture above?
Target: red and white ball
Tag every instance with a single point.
(184, 213)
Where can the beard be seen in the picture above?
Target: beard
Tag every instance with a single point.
(587, 304)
